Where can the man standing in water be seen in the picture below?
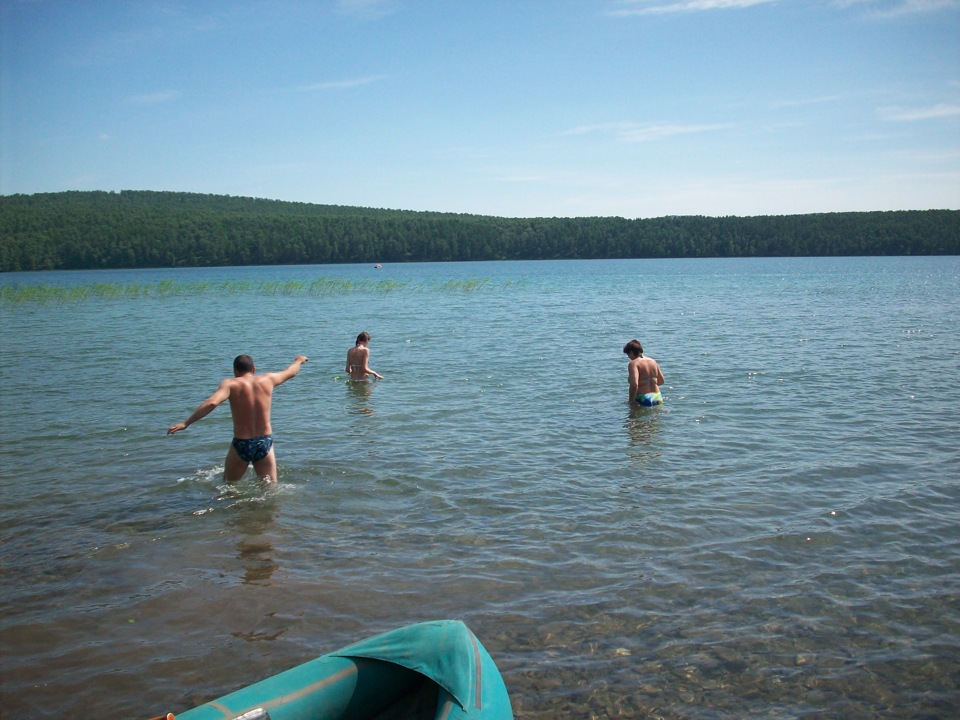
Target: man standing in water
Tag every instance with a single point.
(250, 396)
(644, 375)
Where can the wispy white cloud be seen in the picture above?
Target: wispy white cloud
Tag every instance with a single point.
(367, 9)
(663, 7)
(341, 84)
(588, 129)
(156, 98)
(926, 157)
(941, 110)
(648, 133)
(530, 178)
(898, 8)
(874, 8)
(637, 132)
(823, 100)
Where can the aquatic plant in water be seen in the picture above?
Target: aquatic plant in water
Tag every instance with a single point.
(45, 294)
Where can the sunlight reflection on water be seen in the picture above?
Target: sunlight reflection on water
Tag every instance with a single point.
(778, 538)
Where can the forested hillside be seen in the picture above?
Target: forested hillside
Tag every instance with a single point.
(131, 229)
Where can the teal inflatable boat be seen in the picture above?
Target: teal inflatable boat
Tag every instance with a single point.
(433, 670)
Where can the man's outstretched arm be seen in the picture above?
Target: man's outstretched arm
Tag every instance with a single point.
(205, 408)
(283, 375)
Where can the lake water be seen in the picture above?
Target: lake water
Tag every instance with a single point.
(780, 539)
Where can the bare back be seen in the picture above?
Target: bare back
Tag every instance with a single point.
(645, 376)
(250, 399)
(358, 358)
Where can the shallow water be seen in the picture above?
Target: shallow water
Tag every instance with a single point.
(780, 539)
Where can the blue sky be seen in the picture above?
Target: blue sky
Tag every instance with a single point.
(516, 108)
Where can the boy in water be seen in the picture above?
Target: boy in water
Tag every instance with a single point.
(644, 375)
(250, 396)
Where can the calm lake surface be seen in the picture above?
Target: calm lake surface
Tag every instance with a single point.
(781, 539)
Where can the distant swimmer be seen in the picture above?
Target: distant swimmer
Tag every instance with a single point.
(250, 396)
(358, 358)
(644, 374)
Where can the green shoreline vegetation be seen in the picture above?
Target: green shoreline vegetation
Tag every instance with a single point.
(44, 294)
(80, 230)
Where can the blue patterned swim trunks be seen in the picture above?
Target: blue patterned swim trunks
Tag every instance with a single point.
(650, 399)
(253, 449)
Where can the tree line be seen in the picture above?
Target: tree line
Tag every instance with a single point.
(140, 229)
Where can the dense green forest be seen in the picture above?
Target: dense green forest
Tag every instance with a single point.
(135, 229)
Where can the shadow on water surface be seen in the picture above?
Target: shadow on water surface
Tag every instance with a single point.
(644, 426)
(359, 393)
(253, 510)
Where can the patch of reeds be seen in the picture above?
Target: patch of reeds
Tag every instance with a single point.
(41, 294)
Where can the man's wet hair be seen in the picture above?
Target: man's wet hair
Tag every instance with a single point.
(633, 348)
(242, 364)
